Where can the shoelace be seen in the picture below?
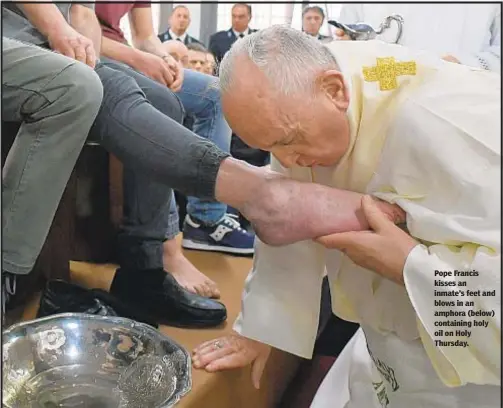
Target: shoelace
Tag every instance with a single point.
(8, 290)
(231, 221)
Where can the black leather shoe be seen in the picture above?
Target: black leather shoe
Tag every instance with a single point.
(63, 297)
(159, 295)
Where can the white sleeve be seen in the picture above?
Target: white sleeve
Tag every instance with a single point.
(444, 166)
(282, 294)
(489, 57)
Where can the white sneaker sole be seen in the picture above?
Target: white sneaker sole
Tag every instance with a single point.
(188, 244)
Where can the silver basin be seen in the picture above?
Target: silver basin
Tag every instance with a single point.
(84, 361)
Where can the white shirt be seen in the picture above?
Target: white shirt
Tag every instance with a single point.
(470, 32)
(244, 34)
(176, 37)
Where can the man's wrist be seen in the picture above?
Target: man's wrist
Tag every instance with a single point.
(54, 28)
(131, 56)
(151, 45)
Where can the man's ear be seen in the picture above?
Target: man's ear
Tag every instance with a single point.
(332, 83)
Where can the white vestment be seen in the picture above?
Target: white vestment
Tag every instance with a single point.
(428, 140)
(471, 32)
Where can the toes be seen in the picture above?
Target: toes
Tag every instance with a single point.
(202, 290)
(213, 290)
(191, 289)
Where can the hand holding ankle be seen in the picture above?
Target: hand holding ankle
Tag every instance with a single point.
(284, 211)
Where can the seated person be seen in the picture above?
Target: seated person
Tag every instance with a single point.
(197, 57)
(47, 145)
(193, 56)
(211, 64)
(200, 59)
(144, 138)
(207, 225)
(178, 50)
(139, 123)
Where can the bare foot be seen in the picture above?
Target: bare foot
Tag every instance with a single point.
(186, 274)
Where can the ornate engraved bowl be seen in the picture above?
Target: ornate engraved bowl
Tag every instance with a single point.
(84, 361)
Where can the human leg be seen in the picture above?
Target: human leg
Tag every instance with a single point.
(201, 99)
(150, 217)
(158, 153)
(186, 274)
(56, 100)
(152, 142)
(145, 139)
(208, 226)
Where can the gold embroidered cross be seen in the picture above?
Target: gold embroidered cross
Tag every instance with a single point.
(386, 71)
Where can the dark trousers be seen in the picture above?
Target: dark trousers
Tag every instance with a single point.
(140, 123)
(334, 333)
(240, 150)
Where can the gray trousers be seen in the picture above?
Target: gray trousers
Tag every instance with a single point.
(140, 123)
(56, 100)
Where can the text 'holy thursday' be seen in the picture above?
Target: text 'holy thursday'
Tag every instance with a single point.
(454, 311)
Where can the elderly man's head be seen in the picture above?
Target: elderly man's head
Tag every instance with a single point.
(283, 92)
(178, 51)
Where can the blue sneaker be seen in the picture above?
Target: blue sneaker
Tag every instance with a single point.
(226, 236)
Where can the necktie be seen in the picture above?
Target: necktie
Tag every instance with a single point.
(241, 35)
(179, 39)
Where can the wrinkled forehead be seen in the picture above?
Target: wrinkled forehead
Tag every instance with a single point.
(254, 116)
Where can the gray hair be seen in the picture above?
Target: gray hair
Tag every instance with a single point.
(289, 59)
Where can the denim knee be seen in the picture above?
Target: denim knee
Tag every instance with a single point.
(118, 84)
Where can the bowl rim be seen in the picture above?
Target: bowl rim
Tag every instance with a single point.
(62, 316)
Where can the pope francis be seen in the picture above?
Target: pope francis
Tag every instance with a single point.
(408, 128)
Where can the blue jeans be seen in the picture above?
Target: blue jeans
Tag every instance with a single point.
(202, 102)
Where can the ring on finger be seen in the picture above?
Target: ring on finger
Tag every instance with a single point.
(218, 345)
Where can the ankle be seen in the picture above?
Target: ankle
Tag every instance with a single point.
(269, 211)
(172, 248)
